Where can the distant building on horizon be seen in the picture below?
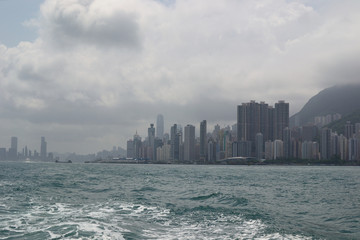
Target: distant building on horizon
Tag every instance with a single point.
(203, 142)
(43, 149)
(281, 119)
(13, 150)
(151, 139)
(189, 144)
(254, 118)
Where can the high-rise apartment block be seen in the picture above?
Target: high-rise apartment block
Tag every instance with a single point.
(203, 142)
(43, 149)
(12, 155)
(281, 119)
(175, 142)
(189, 144)
(254, 118)
(151, 142)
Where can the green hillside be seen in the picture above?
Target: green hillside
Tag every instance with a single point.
(339, 125)
(343, 99)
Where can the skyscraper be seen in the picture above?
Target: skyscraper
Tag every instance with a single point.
(13, 149)
(189, 144)
(349, 130)
(130, 149)
(326, 143)
(287, 143)
(264, 120)
(248, 118)
(137, 146)
(259, 146)
(175, 142)
(160, 126)
(14, 143)
(281, 118)
(253, 118)
(271, 116)
(203, 142)
(151, 139)
(43, 151)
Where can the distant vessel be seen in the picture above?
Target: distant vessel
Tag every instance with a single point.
(119, 160)
(68, 161)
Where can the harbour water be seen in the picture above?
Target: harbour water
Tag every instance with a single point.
(118, 201)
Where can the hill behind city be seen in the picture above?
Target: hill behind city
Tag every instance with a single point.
(343, 99)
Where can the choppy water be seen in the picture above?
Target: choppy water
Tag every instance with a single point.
(105, 201)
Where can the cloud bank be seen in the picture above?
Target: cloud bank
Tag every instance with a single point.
(102, 69)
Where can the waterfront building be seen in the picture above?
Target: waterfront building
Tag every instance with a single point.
(43, 149)
(151, 142)
(244, 149)
(253, 118)
(166, 138)
(308, 133)
(2, 154)
(163, 153)
(12, 154)
(216, 133)
(172, 143)
(264, 120)
(189, 144)
(326, 143)
(269, 150)
(278, 149)
(211, 151)
(310, 150)
(305, 151)
(271, 114)
(130, 149)
(203, 142)
(259, 146)
(353, 149)
(137, 148)
(157, 143)
(175, 142)
(349, 130)
(343, 147)
(281, 118)
(287, 143)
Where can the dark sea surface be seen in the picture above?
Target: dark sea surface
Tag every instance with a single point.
(114, 201)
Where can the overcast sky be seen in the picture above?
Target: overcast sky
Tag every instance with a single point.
(87, 74)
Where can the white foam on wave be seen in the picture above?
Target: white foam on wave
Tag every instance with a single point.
(63, 221)
(221, 227)
(111, 220)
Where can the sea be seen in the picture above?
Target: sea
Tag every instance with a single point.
(144, 201)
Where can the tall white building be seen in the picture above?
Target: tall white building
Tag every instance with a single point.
(278, 149)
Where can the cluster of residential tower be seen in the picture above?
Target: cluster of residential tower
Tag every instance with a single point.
(261, 132)
(13, 154)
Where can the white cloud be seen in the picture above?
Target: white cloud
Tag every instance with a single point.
(116, 64)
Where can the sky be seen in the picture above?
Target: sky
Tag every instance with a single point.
(88, 74)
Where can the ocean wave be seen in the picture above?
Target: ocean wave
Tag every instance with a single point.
(121, 220)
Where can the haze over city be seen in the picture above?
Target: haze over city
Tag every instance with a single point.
(88, 74)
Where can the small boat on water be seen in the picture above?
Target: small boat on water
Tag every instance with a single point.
(68, 161)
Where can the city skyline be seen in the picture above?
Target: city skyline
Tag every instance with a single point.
(261, 133)
(87, 74)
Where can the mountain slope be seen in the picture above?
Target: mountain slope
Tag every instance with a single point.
(343, 99)
(339, 125)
